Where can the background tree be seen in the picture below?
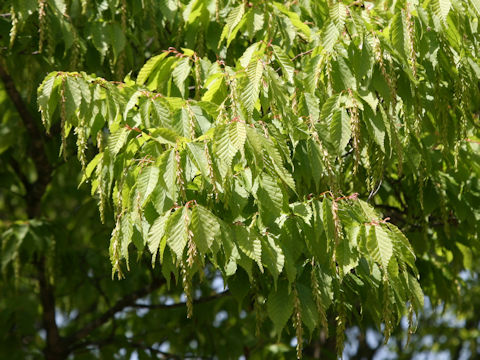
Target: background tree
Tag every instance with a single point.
(237, 153)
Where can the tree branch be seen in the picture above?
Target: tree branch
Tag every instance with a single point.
(182, 304)
(37, 140)
(127, 300)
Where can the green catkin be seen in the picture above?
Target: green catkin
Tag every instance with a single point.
(375, 170)
(63, 115)
(14, 28)
(187, 289)
(121, 57)
(102, 196)
(411, 328)
(355, 128)
(84, 4)
(411, 40)
(318, 300)
(17, 262)
(338, 233)
(198, 80)
(81, 134)
(325, 156)
(297, 323)
(211, 173)
(191, 122)
(187, 269)
(259, 314)
(329, 78)
(387, 310)
(379, 57)
(179, 174)
(463, 100)
(341, 320)
(42, 23)
(115, 249)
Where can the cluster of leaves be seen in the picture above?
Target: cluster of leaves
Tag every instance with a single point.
(243, 163)
(246, 153)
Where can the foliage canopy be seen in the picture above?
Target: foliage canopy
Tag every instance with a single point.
(321, 156)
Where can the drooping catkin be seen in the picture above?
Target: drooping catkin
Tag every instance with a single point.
(14, 28)
(121, 56)
(115, 249)
(42, 23)
(63, 116)
(297, 322)
(355, 128)
(198, 80)
(411, 40)
(179, 174)
(387, 310)
(81, 134)
(187, 289)
(191, 122)
(187, 267)
(325, 156)
(318, 300)
(341, 320)
(211, 173)
(338, 233)
(411, 327)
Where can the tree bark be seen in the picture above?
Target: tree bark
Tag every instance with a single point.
(55, 347)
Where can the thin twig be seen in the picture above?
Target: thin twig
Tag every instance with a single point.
(302, 54)
(182, 304)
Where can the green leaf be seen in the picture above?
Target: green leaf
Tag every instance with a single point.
(117, 39)
(176, 231)
(379, 245)
(73, 97)
(161, 112)
(330, 37)
(168, 176)
(238, 135)
(126, 231)
(270, 199)
(165, 136)
(156, 234)
(223, 146)
(338, 14)
(245, 59)
(205, 227)
(149, 67)
(116, 141)
(399, 34)
(294, 18)
(340, 131)
(284, 61)
(252, 89)
(346, 254)
(273, 257)
(476, 6)
(280, 304)
(328, 108)
(441, 8)
(309, 311)
(147, 181)
(45, 95)
(249, 243)
(416, 291)
(180, 74)
(233, 19)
